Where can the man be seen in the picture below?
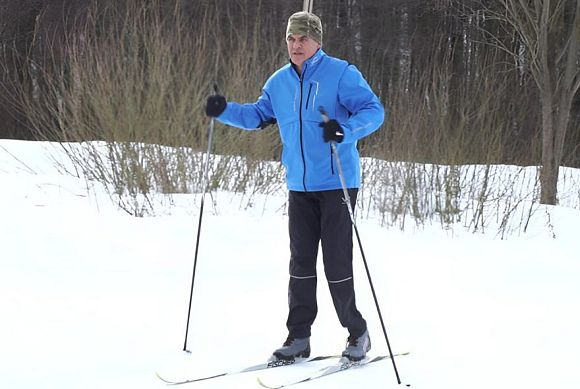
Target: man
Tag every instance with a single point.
(317, 213)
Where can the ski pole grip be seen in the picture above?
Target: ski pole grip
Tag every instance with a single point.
(323, 113)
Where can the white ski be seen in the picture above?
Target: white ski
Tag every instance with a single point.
(342, 365)
(261, 366)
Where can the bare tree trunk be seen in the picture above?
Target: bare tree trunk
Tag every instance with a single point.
(549, 171)
(557, 96)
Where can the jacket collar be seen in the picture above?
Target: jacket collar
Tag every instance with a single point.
(311, 63)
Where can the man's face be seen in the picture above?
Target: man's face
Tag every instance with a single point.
(300, 48)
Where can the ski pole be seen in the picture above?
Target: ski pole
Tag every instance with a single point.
(325, 119)
(205, 183)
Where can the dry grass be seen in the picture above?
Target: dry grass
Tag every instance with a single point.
(136, 80)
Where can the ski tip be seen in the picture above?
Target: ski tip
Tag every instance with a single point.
(163, 379)
(262, 384)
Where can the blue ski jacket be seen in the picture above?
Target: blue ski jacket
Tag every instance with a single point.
(293, 102)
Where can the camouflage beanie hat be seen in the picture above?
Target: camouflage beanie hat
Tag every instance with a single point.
(305, 23)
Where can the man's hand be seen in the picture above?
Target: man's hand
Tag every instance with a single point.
(333, 132)
(216, 104)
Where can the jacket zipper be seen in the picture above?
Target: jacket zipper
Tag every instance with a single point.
(301, 134)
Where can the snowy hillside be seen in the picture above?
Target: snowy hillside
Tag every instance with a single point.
(94, 298)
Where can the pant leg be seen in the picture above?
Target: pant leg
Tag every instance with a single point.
(304, 230)
(337, 246)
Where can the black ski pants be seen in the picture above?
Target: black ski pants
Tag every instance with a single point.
(321, 217)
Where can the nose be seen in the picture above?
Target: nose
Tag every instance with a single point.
(296, 44)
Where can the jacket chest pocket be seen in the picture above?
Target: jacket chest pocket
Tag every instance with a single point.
(310, 94)
(314, 97)
(287, 105)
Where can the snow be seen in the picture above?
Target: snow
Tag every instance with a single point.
(92, 297)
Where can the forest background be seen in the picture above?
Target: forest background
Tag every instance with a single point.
(465, 83)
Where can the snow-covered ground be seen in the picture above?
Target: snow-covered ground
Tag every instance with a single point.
(91, 297)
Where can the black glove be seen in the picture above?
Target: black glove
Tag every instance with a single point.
(216, 104)
(333, 132)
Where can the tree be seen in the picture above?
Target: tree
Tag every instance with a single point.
(549, 35)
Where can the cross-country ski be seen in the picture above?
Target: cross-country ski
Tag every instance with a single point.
(342, 365)
(260, 366)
